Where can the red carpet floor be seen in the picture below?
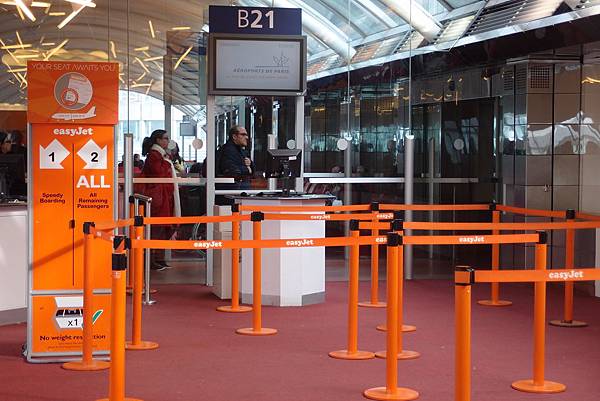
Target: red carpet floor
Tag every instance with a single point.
(201, 358)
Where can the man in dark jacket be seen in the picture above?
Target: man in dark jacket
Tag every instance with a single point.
(234, 159)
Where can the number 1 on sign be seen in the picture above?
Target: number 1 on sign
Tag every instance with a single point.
(52, 156)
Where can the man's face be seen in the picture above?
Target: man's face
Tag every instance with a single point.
(240, 138)
(6, 146)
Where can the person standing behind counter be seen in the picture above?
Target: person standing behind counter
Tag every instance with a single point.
(165, 197)
(233, 160)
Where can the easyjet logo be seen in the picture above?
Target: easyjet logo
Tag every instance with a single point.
(381, 240)
(300, 242)
(73, 131)
(565, 275)
(384, 216)
(472, 240)
(320, 217)
(208, 244)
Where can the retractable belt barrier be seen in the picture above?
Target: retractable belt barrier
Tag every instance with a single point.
(532, 212)
(465, 277)
(138, 243)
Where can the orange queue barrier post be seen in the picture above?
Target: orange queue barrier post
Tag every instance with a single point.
(141, 211)
(131, 230)
(374, 301)
(137, 254)
(567, 320)
(87, 362)
(538, 384)
(391, 391)
(495, 287)
(396, 226)
(352, 352)
(389, 226)
(400, 352)
(116, 387)
(462, 332)
(256, 329)
(235, 306)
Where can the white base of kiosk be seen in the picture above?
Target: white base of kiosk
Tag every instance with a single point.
(290, 276)
(13, 263)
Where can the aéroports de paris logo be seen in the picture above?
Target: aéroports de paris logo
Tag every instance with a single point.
(281, 61)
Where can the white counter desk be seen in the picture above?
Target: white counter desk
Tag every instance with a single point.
(290, 276)
(13, 263)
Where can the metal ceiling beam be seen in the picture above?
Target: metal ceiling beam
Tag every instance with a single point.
(416, 16)
(326, 33)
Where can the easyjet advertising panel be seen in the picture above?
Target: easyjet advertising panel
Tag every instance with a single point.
(73, 92)
(72, 111)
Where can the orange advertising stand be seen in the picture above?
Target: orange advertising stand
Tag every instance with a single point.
(72, 112)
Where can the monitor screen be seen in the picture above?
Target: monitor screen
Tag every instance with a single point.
(283, 163)
(187, 129)
(257, 65)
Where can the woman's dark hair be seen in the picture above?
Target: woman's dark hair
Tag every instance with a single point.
(16, 137)
(3, 137)
(151, 140)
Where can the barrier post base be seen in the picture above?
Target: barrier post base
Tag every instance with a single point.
(381, 393)
(355, 356)
(263, 331)
(402, 356)
(406, 328)
(565, 323)
(152, 291)
(231, 309)
(81, 366)
(369, 304)
(142, 346)
(489, 302)
(546, 387)
(123, 399)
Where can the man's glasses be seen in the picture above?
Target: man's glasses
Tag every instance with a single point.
(242, 134)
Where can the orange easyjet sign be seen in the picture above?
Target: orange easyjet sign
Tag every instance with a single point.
(72, 110)
(72, 92)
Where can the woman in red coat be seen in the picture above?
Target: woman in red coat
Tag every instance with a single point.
(158, 165)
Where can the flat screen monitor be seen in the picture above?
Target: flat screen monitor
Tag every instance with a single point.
(283, 163)
(257, 65)
(187, 129)
(12, 175)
